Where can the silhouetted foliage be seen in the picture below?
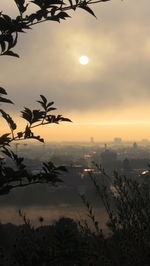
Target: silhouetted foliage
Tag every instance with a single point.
(126, 202)
(19, 176)
(46, 10)
(10, 28)
(67, 242)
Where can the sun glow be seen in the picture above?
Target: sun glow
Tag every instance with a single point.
(83, 60)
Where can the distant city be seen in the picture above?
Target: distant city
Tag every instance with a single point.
(131, 159)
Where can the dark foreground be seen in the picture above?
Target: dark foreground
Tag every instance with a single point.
(70, 243)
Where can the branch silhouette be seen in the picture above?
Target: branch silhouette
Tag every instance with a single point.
(47, 10)
(19, 176)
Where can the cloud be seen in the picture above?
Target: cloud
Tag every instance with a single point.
(118, 47)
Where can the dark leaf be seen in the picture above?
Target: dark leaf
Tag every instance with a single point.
(3, 46)
(7, 19)
(53, 10)
(88, 9)
(18, 160)
(27, 114)
(56, 2)
(11, 53)
(7, 152)
(10, 41)
(15, 40)
(65, 119)
(71, 4)
(5, 139)
(54, 18)
(51, 109)
(4, 100)
(20, 135)
(63, 15)
(37, 115)
(9, 120)
(49, 104)
(38, 138)
(20, 4)
(28, 133)
(43, 98)
(3, 91)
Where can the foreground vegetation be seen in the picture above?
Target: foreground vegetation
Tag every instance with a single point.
(69, 242)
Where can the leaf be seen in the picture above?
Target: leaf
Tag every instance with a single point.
(54, 18)
(9, 120)
(38, 138)
(18, 160)
(51, 119)
(3, 91)
(40, 14)
(10, 41)
(37, 115)
(33, 116)
(63, 15)
(28, 133)
(71, 4)
(3, 46)
(57, 119)
(7, 19)
(53, 10)
(20, 134)
(42, 104)
(43, 98)
(4, 139)
(27, 114)
(7, 152)
(15, 40)
(20, 4)
(88, 9)
(4, 100)
(51, 109)
(49, 104)
(37, 2)
(64, 119)
(43, 4)
(56, 2)
(11, 53)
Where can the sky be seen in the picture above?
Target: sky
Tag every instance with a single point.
(108, 97)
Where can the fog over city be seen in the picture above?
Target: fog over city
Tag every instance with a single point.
(127, 158)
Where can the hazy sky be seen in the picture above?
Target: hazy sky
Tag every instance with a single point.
(107, 98)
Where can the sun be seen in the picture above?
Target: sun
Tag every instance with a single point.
(83, 60)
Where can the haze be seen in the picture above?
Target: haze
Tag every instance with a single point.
(107, 98)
